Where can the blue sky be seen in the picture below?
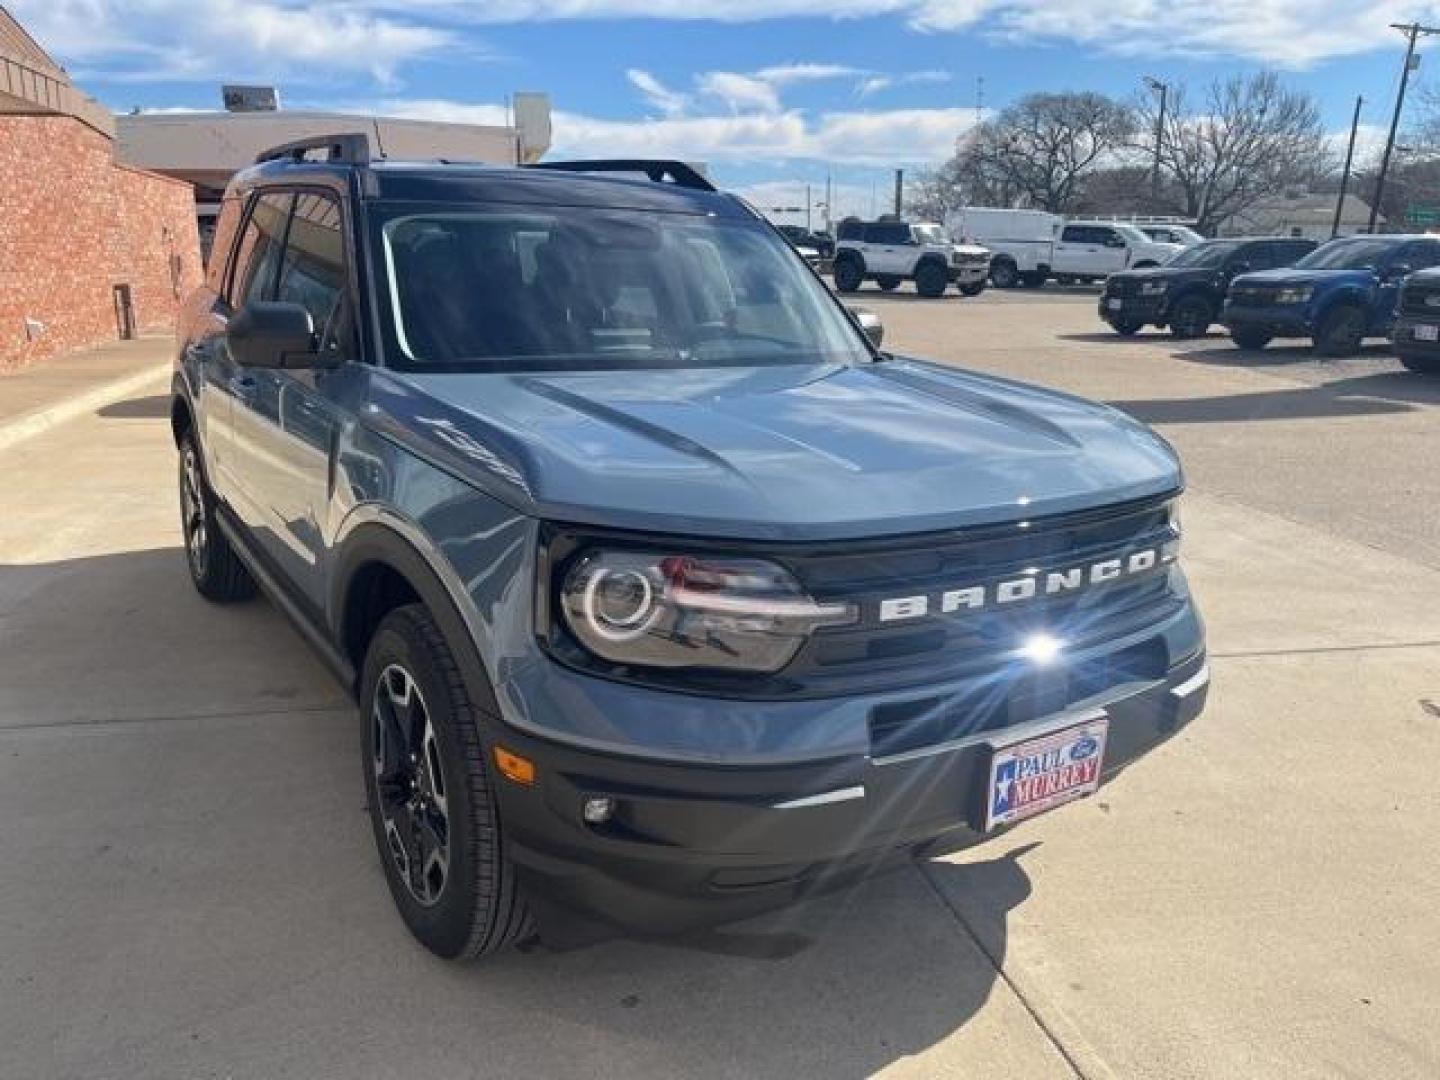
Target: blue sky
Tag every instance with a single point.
(772, 93)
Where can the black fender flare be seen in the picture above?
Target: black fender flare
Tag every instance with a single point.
(376, 542)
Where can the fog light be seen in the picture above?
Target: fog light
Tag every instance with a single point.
(1040, 649)
(598, 809)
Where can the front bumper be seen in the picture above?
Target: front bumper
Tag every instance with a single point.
(969, 273)
(1145, 310)
(1277, 320)
(693, 845)
(1403, 337)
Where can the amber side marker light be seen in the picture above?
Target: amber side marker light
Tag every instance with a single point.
(514, 767)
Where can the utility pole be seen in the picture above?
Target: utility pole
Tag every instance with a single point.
(829, 205)
(807, 208)
(899, 190)
(1163, 89)
(1412, 32)
(1345, 176)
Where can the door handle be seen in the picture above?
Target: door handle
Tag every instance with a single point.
(244, 386)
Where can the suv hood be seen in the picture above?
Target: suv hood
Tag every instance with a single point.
(780, 452)
(1168, 274)
(1292, 276)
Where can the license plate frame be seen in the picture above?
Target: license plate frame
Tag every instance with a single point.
(1078, 743)
(1426, 332)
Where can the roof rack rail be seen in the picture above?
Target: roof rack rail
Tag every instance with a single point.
(351, 147)
(659, 170)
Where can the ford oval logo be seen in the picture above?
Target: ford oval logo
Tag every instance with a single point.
(1084, 747)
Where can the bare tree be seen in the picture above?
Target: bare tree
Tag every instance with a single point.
(1252, 139)
(1039, 150)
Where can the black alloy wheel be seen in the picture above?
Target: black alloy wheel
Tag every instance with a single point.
(1191, 317)
(410, 784)
(215, 570)
(1341, 331)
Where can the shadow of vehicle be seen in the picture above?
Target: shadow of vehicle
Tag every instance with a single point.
(1276, 355)
(1148, 336)
(213, 811)
(154, 407)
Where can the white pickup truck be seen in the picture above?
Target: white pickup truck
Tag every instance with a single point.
(1029, 247)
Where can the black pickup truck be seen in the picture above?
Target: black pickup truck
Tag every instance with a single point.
(1188, 292)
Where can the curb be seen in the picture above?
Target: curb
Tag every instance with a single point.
(39, 421)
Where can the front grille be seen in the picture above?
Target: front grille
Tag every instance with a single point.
(1418, 299)
(1119, 286)
(1252, 295)
(875, 652)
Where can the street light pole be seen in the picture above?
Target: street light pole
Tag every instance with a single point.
(1412, 32)
(1163, 89)
(1345, 176)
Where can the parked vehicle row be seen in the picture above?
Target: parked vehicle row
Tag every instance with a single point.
(890, 251)
(1030, 247)
(1262, 288)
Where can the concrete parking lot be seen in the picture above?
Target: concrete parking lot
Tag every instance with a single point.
(188, 886)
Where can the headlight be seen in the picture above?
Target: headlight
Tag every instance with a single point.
(684, 611)
(1152, 288)
(1298, 295)
(1170, 548)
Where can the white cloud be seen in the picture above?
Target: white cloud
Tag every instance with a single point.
(670, 102)
(168, 40)
(879, 137)
(739, 92)
(874, 84)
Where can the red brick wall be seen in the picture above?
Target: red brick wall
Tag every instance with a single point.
(73, 224)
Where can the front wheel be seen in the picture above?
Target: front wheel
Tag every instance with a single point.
(1191, 317)
(1341, 331)
(1004, 274)
(1248, 338)
(432, 807)
(848, 275)
(930, 280)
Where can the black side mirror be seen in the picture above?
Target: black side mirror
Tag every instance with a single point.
(870, 323)
(1241, 267)
(274, 334)
(1396, 271)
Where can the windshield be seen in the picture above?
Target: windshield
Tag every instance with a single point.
(509, 288)
(930, 234)
(1208, 254)
(1354, 254)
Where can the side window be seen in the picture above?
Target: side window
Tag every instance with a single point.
(1108, 238)
(1075, 234)
(221, 241)
(850, 230)
(1260, 256)
(312, 272)
(888, 232)
(1421, 256)
(259, 252)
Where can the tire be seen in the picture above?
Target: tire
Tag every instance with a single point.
(1249, 338)
(1191, 317)
(888, 282)
(1341, 331)
(1421, 364)
(972, 290)
(931, 279)
(1033, 280)
(849, 274)
(1004, 274)
(215, 570)
(432, 804)
(1126, 328)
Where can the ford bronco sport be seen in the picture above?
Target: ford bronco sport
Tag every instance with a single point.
(890, 251)
(666, 596)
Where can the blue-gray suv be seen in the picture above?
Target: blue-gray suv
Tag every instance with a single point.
(665, 595)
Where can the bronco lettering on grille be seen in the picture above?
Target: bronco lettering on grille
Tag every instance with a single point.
(1029, 586)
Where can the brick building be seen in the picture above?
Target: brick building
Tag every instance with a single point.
(90, 250)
